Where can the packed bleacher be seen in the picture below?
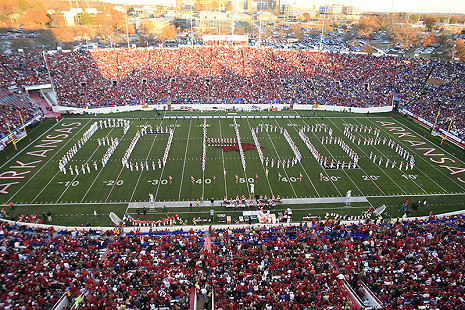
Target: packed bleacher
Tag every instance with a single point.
(17, 71)
(11, 105)
(426, 87)
(408, 265)
(191, 75)
(23, 69)
(220, 75)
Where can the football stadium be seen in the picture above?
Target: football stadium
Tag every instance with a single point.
(231, 177)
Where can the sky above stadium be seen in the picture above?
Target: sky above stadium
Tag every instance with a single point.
(413, 6)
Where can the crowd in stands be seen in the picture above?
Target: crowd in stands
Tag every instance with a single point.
(17, 71)
(408, 265)
(11, 105)
(426, 87)
(220, 75)
(112, 77)
(23, 69)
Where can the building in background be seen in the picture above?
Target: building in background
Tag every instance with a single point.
(154, 25)
(351, 12)
(296, 11)
(265, 16)
(73, 14)
(338, 10)
(251, 6)
(214, 21)
(238, 5)
(267, 5)
(331, 9)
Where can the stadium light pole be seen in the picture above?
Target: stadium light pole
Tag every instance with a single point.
(192, 30)
(323, 29)
(392, 23)
(126, 19)
(218, 19)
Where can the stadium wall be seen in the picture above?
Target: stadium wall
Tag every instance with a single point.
(145, 229)
(220, 107)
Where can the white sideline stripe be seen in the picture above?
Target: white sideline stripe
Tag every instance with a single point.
(183, 203)
(184, 163)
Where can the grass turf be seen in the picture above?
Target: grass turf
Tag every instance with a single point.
(73, 198)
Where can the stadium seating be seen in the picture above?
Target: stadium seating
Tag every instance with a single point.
(220, 75)
(413, 265)
(112, 77)
(10, 106)
(25, 69)
(425, 87)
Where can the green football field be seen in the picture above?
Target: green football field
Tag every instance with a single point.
(30, 176)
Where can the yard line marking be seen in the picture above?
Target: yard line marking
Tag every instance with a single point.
(324, 170)
(95, 179)
(222, 157)
(267, 179)
(46, 162)
(345, 172)
(185, 157)
(359, 134)
(117, 178)
(305, 171)
(162, 170)
(111, 190)
(423, 159)
(279, 157)
(75, 176)
(203, 184)
(373, 181)
(244, 168)
(140, 173)
(24, 149)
